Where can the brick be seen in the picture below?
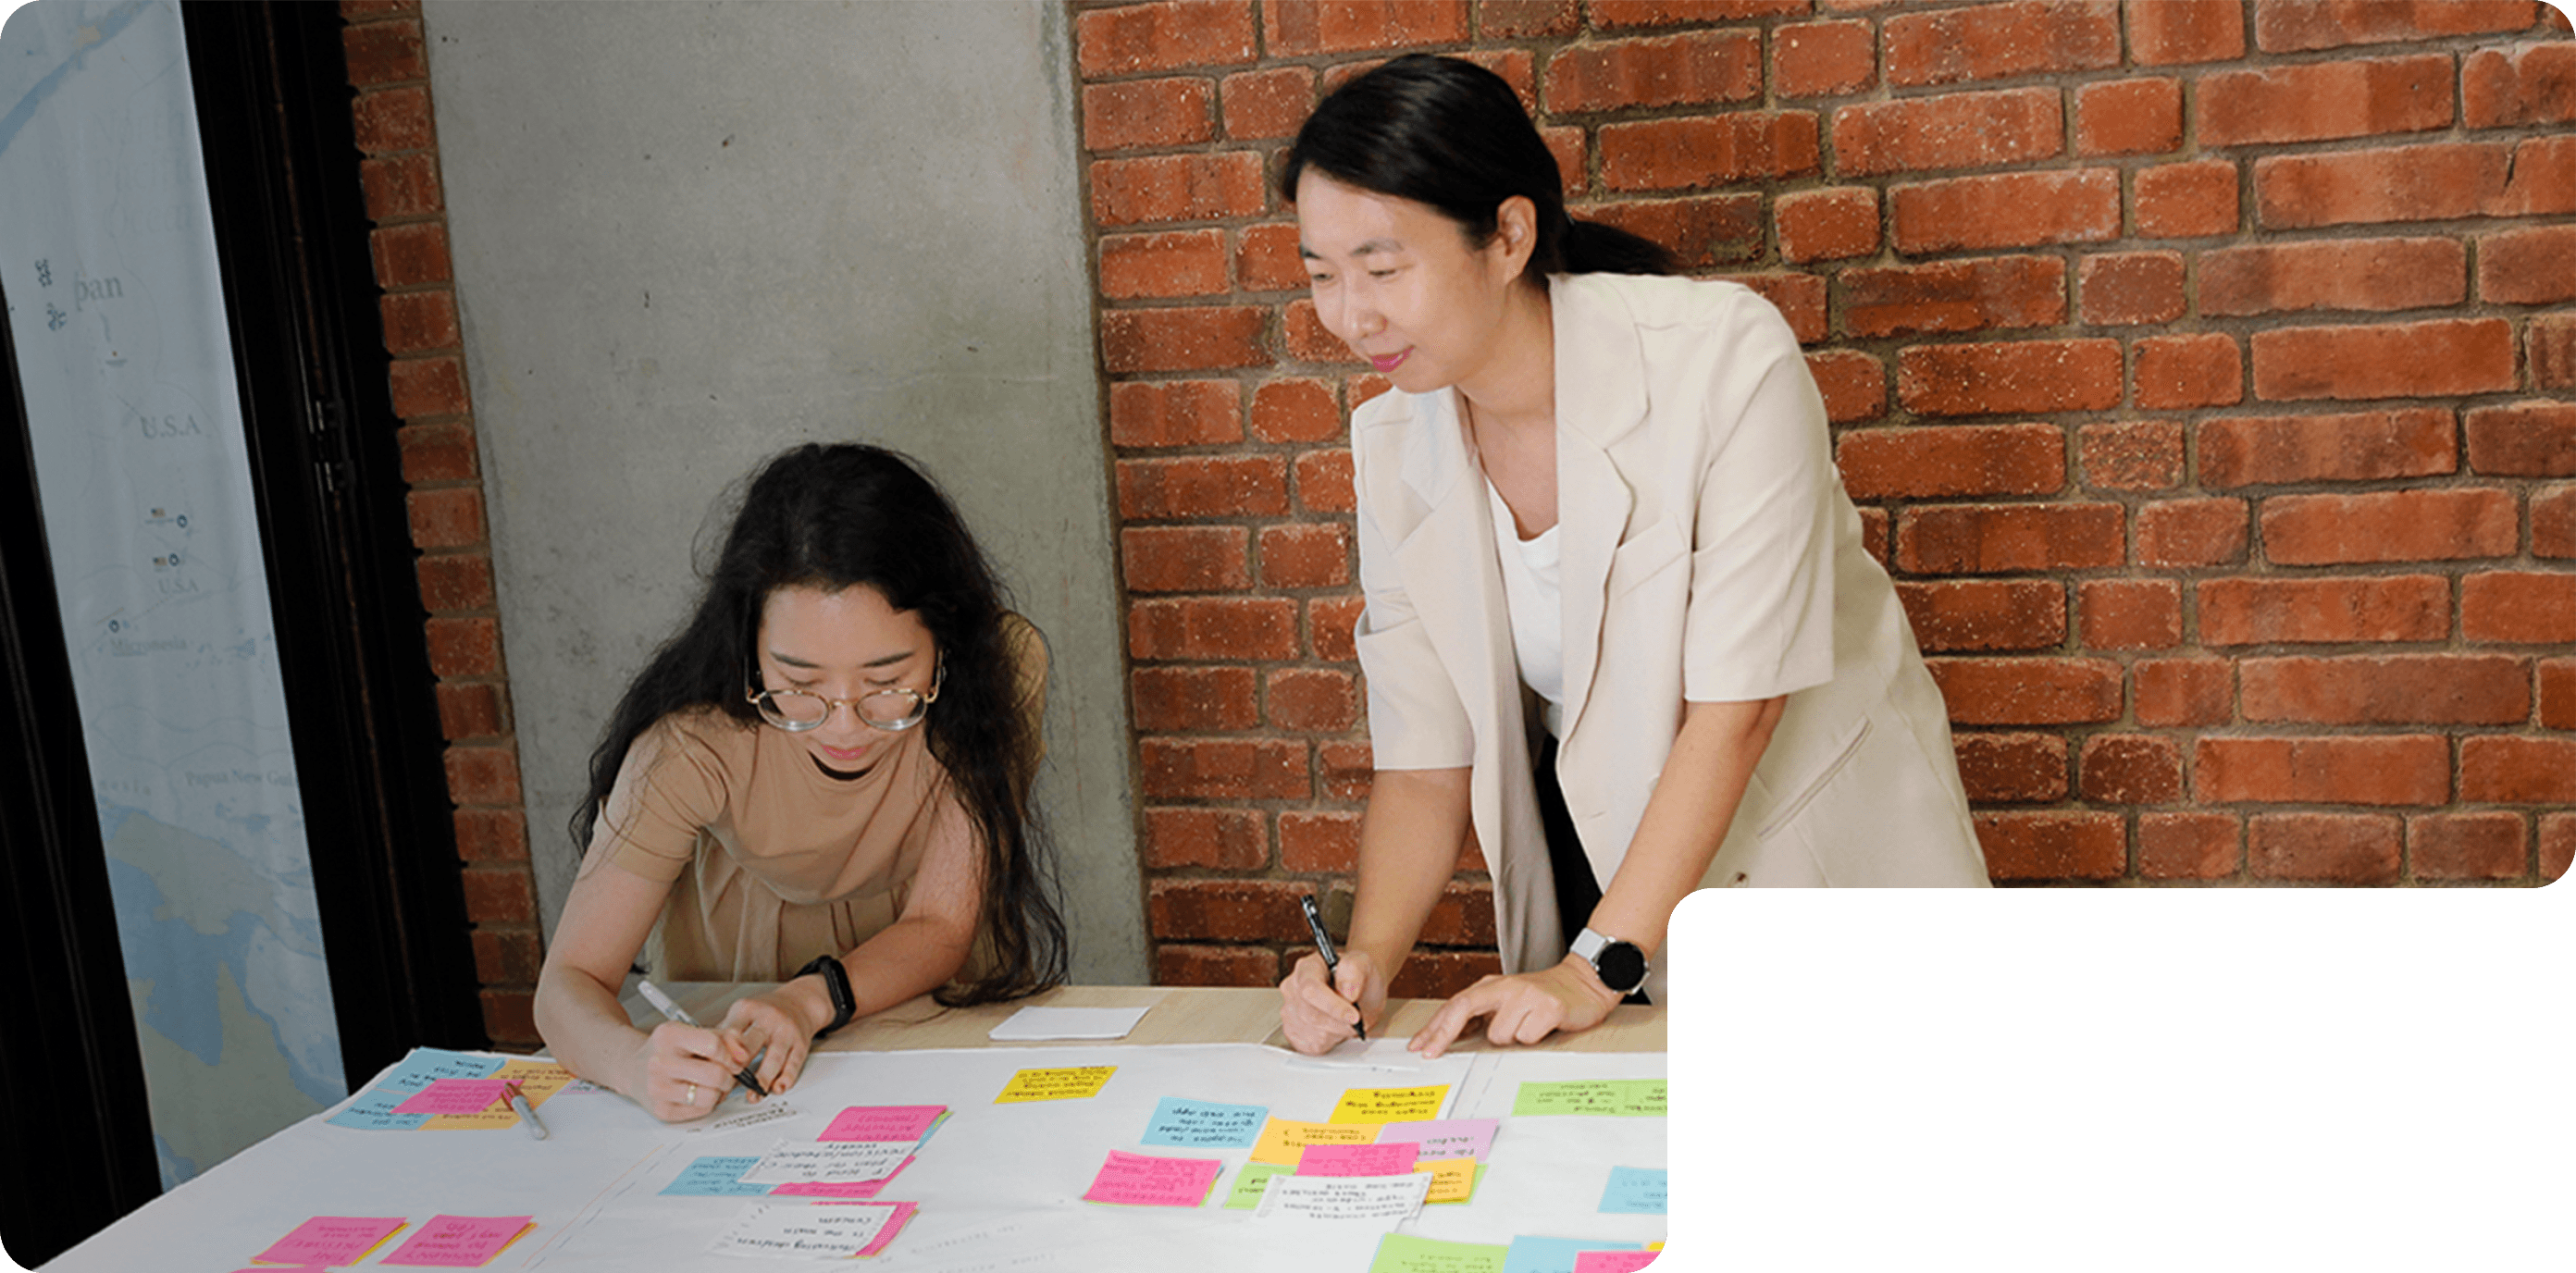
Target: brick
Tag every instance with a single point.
(1312, 700)
(2130, 614)
(1164, 36)
(2531, 266)
(2392, 769)
(2009, 376)
(1707, 150)
(2128, 288)
(2433, 181)
(2128, 117)
(2356, 447)
(2441, 358)
(1330, 622)
(2137, 455)
(2184, 533)
(1295, 410)
(2189, 846)
(1695, 68)
(1222, 839)
(1823, 59)
(1187, 338)
(1346, 770)
(1568, 146)
(2557, 845)
(1293, 28)
(1266, 259)
(449, 518)
(2400, 689)
(1824, 225)
(2008, 459)
(2282, 26)
(491, 835)
(410, 255)
(2553, 521)
(428, 387)
(2176, 32)
(372, 10)
(1954, 130)
(485, 775)
(510, 1018)
(498, 894)
(2502, 769)
(1224, 769)
(401, 186)
(418, 322)
(2550, 350)
(1175, 413)
(1140, 113)
(438, 452)
(2325, 848)
(1257, 105)
(1135, 266)
(2007, 210)
(1202, 486)
(464, 646)
(455, 581)
(381, 53)
(469, 710)
(1800, 298)
(2324, 101)
(2187, 200)
(2053, 846)
(1853, 383)
(1319, 842)
(1263, 628)
(2324, 611)
(1185, 558)
(1195, 699)
(393, 119)
(1985, 614)
(1997, 41)
(2355, 274)
(1176, 188)
(1701, 232)
(1616, 14)
(1324, 482)
(2028, 691)
(1439, 974)
(1464, 916)
(1308, 340)
(1874, 535)
(2467, 846)
(2131, 769)
(2011, 768)
(1225, 910)
(2185, 691)
(1306, 556)
(1178, 964)
(2524, 84)
(2518, 607)
(2009, 538)
(2189, 371)
(1952, 296)
(2427, 525)
(1527, 19)
(2557, 693)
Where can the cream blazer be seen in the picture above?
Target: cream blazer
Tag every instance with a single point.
(1709, 554)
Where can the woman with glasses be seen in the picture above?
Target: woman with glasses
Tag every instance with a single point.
(822, 780)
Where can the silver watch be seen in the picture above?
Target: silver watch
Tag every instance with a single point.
(1619, 964)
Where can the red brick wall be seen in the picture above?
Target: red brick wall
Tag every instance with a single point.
(397, 134)
(2206, 376)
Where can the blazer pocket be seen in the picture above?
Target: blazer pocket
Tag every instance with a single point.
(1645, 556)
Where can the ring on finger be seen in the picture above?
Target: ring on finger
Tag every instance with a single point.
(693, 1096)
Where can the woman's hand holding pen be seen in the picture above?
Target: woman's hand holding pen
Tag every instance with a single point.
(1316, 1014)
(779, 1028)
(686, 1069)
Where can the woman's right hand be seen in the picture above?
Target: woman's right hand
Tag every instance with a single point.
(686, 1070)
(1317, 1014)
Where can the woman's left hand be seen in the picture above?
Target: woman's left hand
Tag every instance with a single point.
(1525, 1007)
(773, 1022)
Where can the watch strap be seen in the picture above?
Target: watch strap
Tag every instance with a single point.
(836, 983)
(1588, 946)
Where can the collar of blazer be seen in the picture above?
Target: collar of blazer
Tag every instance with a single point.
(1600, 399)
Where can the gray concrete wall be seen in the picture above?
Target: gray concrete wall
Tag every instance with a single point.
(687, 236)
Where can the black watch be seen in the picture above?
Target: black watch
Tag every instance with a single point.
(1619, 964)
(836, 982)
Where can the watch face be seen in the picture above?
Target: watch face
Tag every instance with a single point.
(1622, 966)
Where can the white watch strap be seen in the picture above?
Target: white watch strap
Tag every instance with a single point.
(1587, 944)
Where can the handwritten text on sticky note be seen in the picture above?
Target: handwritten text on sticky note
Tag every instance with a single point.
(460, 1242)
(1071, 1083)
(1404, 1253)
(1445, 1137)
(331, 1240)
(1633, 1098)
(1136, 1180)
(1390, 1104)
(1282, 1138)
(1357, 1160)
(1204, 1124)
(883, 1122)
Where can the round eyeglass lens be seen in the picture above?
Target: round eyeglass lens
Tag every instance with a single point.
(893, 709)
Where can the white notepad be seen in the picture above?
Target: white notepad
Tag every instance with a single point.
(1029, 1024)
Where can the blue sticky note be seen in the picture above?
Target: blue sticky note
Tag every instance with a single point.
(1205, 1124)
(1635, 1191)
(375, 1111)
(715, 1178)
(1554, 1255)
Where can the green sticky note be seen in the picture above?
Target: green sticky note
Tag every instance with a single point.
(1635, 1098)
(1249, 1182)
(1404, 1253)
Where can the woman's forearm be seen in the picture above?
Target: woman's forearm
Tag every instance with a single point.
(1410, 837)
(586, 1028)
(1686, 820)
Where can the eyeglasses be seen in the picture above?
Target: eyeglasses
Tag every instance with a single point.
(892, 710)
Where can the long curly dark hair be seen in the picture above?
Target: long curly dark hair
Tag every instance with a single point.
(832, 517)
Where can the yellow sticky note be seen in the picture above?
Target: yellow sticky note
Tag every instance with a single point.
(1282, 1139)
(537, 1080)
(1390, 1104)
(1069, 1084)
(1452, 1179)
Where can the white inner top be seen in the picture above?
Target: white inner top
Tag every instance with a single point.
(1530, 587)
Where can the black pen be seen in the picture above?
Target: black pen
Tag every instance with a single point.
(662, 1003)
(1324, 947)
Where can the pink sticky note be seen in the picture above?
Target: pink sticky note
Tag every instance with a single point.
(1358, 1160)
(287, 1268)
(1613, 1261)
(1135, 1180)
(852, 1189)
(883, 1122)
(460, 1242)
(1445, 1137)
(898, 1212)
(455, 1096)
(331, 1240)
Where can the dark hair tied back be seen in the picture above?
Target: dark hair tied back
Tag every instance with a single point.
(1452, 135)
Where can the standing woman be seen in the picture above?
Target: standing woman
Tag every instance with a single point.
(822, 780)
(1619, 622)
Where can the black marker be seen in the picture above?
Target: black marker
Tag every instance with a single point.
(1324, 947)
